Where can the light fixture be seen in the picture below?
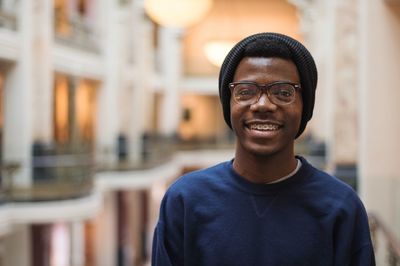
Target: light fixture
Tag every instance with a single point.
(177, 13)
(217, 50)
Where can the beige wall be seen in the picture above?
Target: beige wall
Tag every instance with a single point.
(379, 109)
(206, 119)
(234, 20)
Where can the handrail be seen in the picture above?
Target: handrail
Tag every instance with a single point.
(54, 177)
(82, 35)
(63, 160)
(376, 224)
(7, 169)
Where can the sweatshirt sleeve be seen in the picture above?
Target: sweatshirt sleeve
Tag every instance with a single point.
(167, 247)
(159, 256)
(364, 256)
(353, 245)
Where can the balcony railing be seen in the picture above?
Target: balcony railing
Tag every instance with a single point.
(80, 35)
(7, 171)
(57, 173)
(157, 149)
(386, 246)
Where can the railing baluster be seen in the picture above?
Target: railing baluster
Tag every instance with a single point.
(393, 245)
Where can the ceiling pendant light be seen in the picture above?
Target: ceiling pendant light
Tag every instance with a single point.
(177, 13)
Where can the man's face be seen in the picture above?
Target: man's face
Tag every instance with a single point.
(264, 128)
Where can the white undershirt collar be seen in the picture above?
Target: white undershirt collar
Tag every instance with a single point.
(289, 175)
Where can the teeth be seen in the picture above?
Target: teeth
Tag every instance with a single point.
(265, 127)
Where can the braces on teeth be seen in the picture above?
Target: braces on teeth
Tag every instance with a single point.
(264, 127)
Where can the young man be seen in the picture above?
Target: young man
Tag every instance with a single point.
(266, 206)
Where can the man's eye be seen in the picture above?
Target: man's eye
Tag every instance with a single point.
(284, 93)
(245, 92)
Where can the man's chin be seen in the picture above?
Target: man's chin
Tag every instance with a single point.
(261, 150)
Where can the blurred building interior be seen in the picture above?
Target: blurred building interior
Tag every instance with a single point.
(103, 105)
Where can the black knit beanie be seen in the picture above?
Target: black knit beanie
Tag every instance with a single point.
(300, 56)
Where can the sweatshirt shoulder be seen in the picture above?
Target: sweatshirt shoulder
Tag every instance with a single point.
(330, 183)
(199, 179)
(333, 191)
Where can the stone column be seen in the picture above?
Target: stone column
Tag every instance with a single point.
(73, 128)
(105, 238)
(331, 30)
(342, 68)
(379, 122)
(171, 64)
(18, 246)
(140, 32)
(315, 28)
(43, 71)
(18, 107)
(77, 243)
(107, 122)
(345, 138)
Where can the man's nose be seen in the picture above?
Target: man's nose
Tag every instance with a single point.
(263, 104)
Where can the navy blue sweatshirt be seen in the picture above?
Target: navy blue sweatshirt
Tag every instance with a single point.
(216, 217)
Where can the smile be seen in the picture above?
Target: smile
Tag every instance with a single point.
(264, 127)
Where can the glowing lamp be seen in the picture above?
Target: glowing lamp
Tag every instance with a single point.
(177, 13)
(216, 51)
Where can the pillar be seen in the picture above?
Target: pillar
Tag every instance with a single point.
(43, 71)
(106, 238)
(171, 71)
(77, 243)
(141, 106)
(379, 123)
(107, 122)
(346, 83)
(18, 108)
(17, 246)
(331, 31)
(316, 26)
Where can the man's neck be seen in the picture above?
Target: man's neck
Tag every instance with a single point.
(264, 169)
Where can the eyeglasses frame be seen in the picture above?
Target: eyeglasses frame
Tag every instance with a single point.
(262, 88)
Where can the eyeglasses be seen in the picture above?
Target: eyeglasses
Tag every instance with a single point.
(279, 93)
